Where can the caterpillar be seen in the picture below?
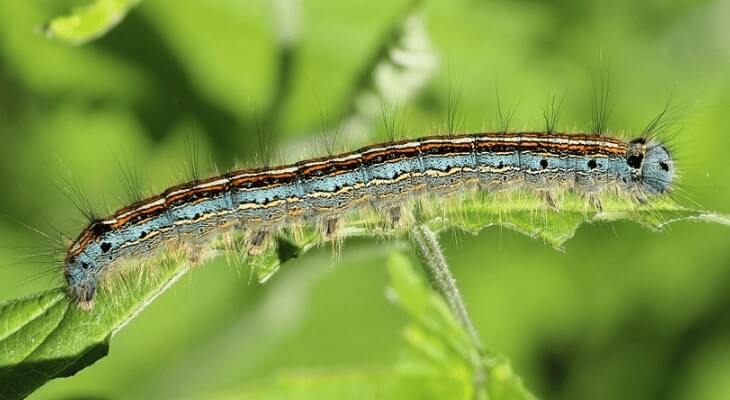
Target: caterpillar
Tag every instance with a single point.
(321, 191)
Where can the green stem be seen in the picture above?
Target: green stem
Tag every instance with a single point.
(426, 245)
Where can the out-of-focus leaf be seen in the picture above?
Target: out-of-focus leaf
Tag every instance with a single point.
(89, 22)
(398, 71)
(439, 362)
(365, 383)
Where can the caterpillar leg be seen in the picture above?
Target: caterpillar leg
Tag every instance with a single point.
(395, 216)
(330, 228)
(257, 241)
(549, 200)
(594, 202)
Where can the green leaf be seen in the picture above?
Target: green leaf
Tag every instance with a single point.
(44, 336)
(473, 213)
(531, 216)
(89, 22)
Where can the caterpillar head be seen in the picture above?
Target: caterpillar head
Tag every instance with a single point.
(80, 279)
(651, 165)
(80, 267)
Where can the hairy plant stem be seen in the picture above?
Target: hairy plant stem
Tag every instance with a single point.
(433, 261)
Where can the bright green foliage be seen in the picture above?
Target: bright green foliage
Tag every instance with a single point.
(88, 22)
(622, 314)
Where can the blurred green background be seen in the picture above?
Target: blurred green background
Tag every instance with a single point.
(623, 313)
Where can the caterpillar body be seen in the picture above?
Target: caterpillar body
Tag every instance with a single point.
(320, 191)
